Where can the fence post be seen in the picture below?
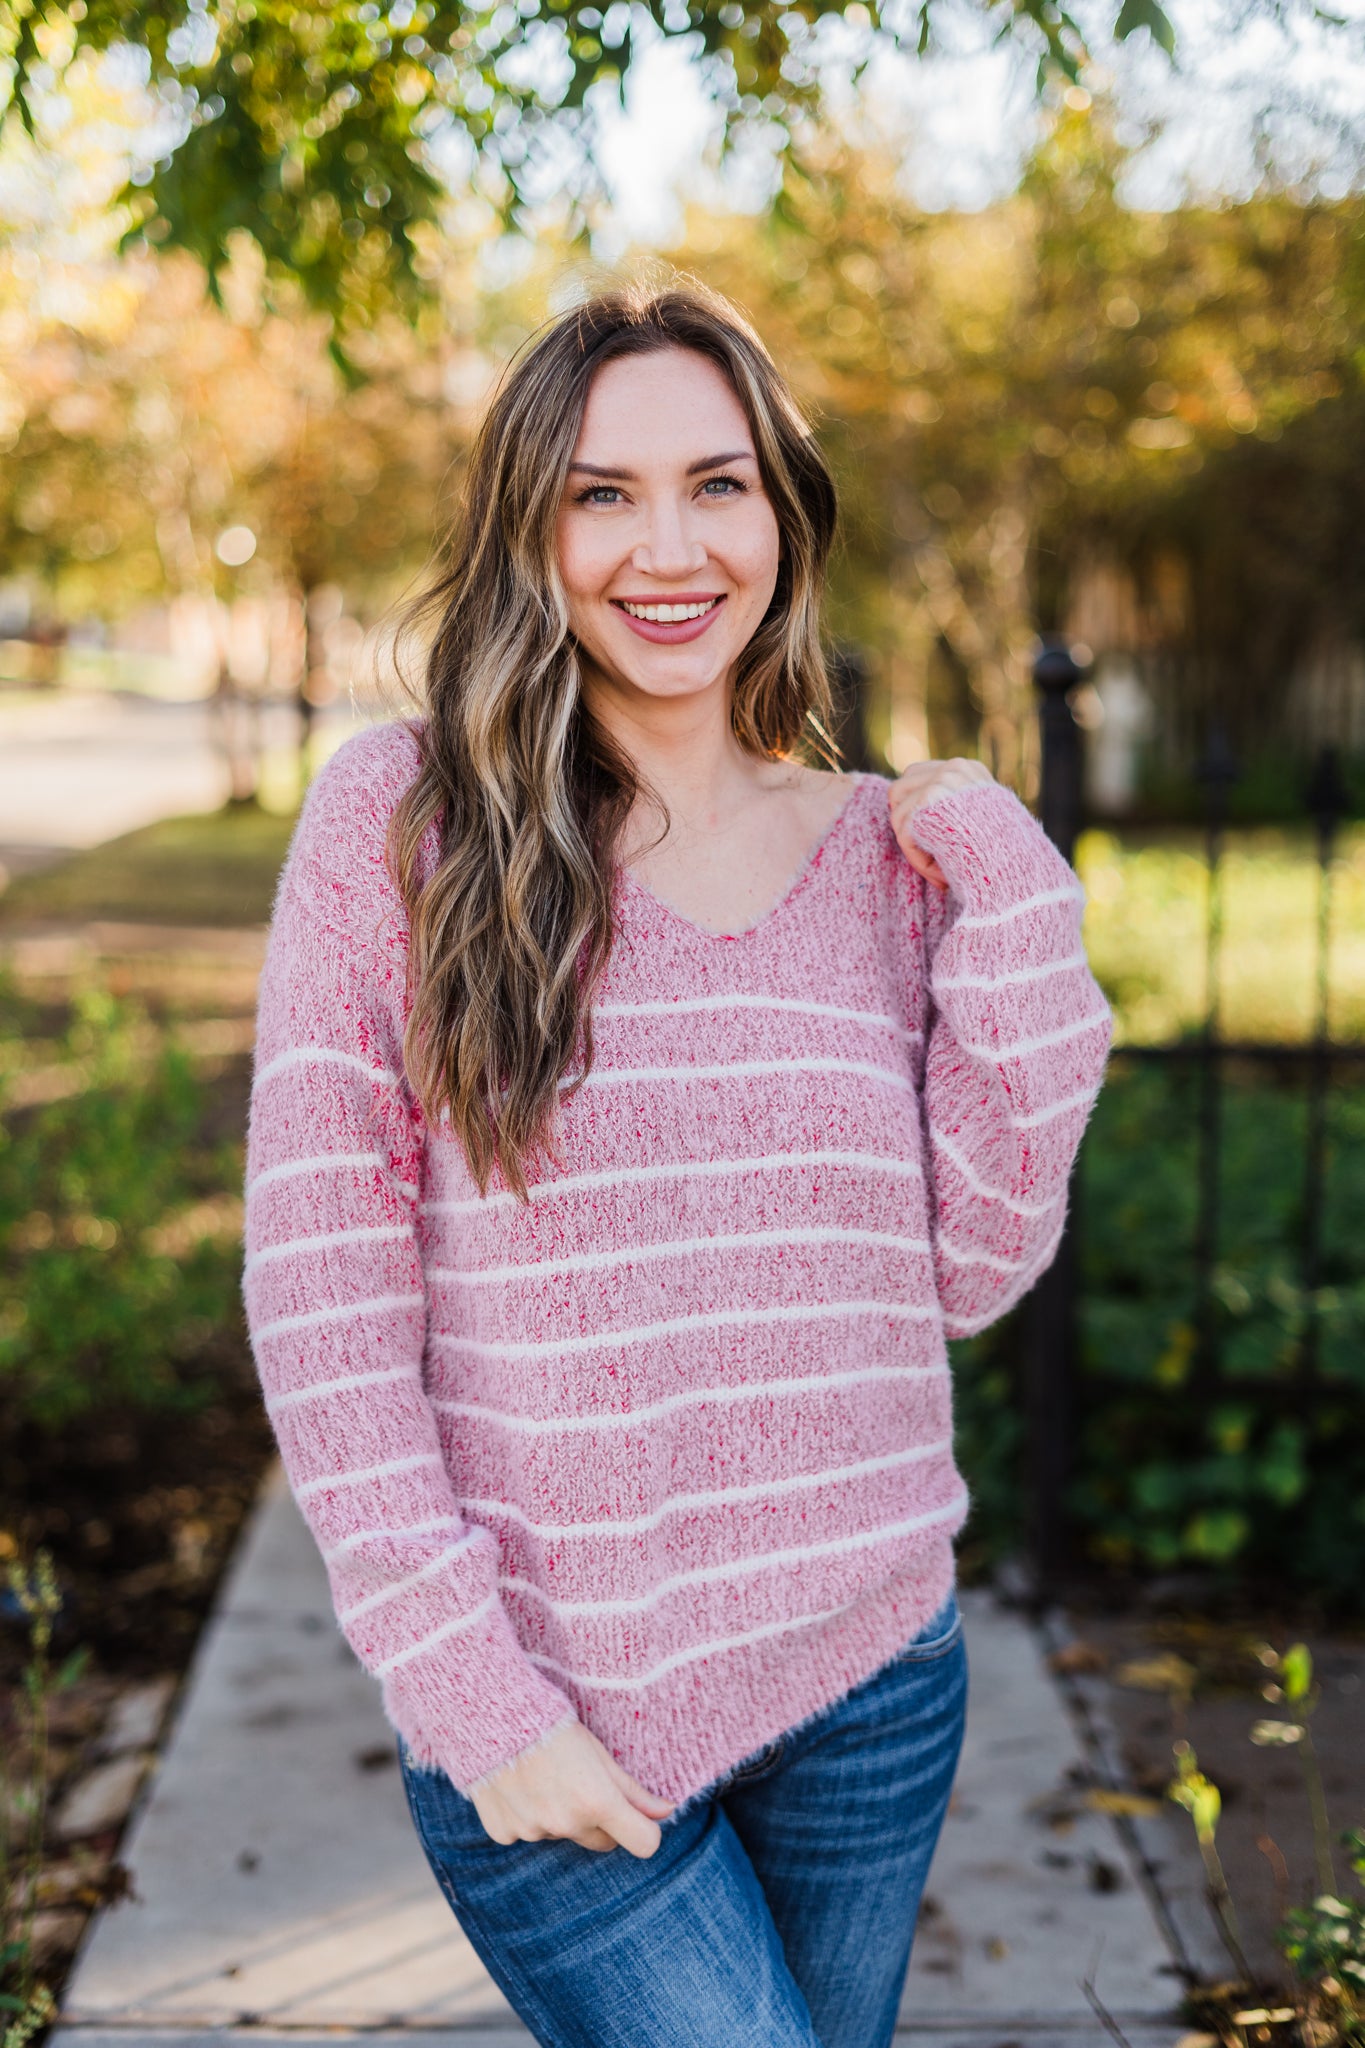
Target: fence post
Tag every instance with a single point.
(1216, 771)
(1329, 801)
(1049, 1334)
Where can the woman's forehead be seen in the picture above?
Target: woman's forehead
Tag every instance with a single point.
(667, 407)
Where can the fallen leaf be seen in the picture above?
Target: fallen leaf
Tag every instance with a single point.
(1100, 1801)
(1077, 1657)
(1165, 1673)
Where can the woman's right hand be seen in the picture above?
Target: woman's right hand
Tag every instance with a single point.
(570, 1787)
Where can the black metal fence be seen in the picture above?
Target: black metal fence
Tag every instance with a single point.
(1058, 1388)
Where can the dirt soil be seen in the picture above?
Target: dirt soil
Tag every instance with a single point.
(1164, 1677)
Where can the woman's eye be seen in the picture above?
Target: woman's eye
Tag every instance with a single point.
(598, 494)
(721, 486)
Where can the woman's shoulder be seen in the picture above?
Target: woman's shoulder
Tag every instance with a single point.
(339, 848)
(369, 772)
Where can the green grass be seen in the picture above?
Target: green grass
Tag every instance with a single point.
(216, 869)
(1145, 932)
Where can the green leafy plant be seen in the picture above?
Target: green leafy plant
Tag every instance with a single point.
(120, 1227)
(23, 1799)
(1203, 1802)
(1323, 1942)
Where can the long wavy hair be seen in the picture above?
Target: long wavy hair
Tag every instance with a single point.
(512, 931)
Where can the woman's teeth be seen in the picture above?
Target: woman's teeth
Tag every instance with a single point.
(670, 614)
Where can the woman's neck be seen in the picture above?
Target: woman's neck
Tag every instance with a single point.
(739, 827)
(687, 757)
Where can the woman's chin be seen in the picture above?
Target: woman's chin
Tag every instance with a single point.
(667, 675)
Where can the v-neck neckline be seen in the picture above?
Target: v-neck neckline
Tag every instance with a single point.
(794, 887)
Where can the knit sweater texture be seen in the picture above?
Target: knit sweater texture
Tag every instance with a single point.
(668, 1448)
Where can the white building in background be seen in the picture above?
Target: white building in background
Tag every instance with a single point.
(1123, 717)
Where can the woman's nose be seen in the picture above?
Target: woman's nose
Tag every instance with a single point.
(667, 548)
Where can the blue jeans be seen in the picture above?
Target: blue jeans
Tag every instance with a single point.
(779, 1908)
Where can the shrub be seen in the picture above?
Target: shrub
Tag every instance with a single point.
(120, 1225)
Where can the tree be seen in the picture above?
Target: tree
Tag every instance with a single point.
(312, 128)
(1020, 399)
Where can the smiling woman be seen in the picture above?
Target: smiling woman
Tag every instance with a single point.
(637, 1111)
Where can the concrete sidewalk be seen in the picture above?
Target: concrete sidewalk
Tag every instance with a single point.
(281, 1891)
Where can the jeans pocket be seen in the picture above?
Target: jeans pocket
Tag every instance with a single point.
(937, 1636)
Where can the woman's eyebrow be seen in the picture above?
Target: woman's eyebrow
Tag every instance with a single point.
(628, 476)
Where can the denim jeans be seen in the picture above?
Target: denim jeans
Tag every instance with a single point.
(779, 1908)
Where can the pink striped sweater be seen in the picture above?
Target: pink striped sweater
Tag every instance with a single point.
(669, 1449)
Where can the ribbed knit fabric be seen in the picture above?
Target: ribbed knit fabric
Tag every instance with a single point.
(670, 1448)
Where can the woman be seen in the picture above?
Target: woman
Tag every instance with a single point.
(636, 1111)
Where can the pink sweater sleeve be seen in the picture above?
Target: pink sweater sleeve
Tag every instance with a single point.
(1017, 1035)
(336, 1303)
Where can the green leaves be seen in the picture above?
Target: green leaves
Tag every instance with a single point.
(1198, 1795)
(1140, 14)
(119, 1260)
(313, 130)
(1296, 1673)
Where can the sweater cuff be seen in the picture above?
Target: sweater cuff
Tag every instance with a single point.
(477, 1784)
(991, 847)
(479, 1701)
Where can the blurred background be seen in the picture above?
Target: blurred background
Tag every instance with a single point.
(1077, 305)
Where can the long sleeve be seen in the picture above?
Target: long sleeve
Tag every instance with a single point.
(336, 1301)
(1017, 1035)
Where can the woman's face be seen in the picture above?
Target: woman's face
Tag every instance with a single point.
(668, 546)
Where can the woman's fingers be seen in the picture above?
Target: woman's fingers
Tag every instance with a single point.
(639, 1795)
(637, 1834)
(920, 784)
(923, 863)
(571, 1788)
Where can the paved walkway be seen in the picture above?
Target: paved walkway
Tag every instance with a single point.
(281, 1891)
(78, 767)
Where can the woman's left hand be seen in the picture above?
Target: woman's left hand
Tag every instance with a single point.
(920, 784)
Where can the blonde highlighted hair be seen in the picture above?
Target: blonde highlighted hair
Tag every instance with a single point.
(511, 933)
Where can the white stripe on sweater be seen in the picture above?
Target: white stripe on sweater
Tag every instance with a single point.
(321, 1055)
(978, 1186)
(691, 1654)
(751, 1390)
(438, 1635)
(763, 1489)
(729, 1568)
(1084, 1098)
(322, 1162)
(791, 1312)
(388, 1533)
(987, 920)
(679, 1247)
(609, 1077)
(627, 1176)
(1022, 1046)
(371, 1233)
(313, 1316)
(991, 1259)
(385, 1593)
(968, 1326)
(994, 981)
(357, 1474)
(274, 1402)
(688, 1005)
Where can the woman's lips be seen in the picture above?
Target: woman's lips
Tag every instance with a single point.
(671, 632)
